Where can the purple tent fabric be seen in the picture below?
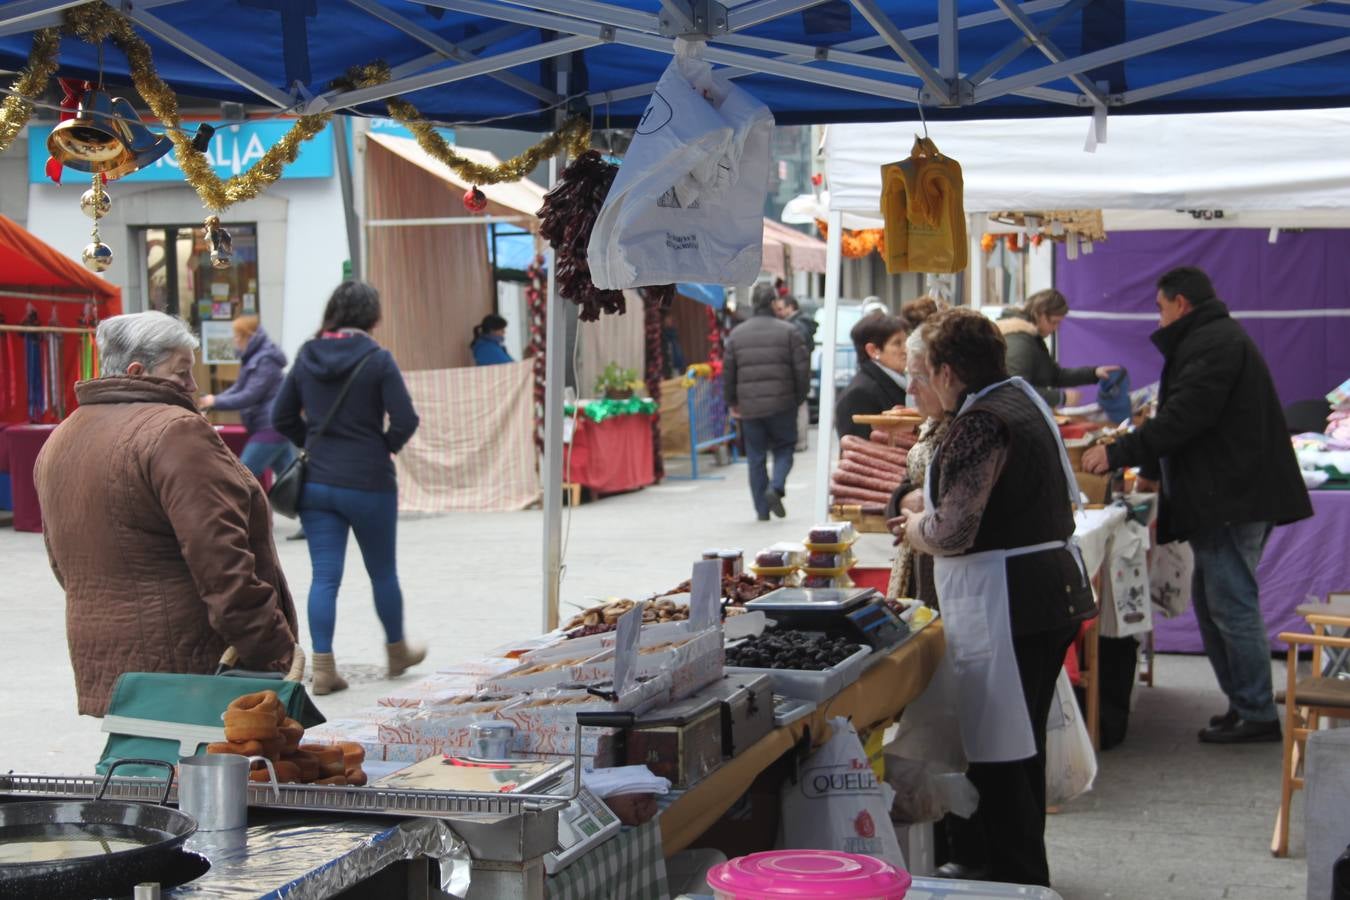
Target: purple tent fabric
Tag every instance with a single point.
(1307, 270)
(1302, 560)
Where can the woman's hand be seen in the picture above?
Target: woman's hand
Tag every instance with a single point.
(904, 525)
(1103, 371)
(206, 402)
(913, 501)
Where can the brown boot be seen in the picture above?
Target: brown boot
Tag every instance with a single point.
(326, 677)
(403, 656)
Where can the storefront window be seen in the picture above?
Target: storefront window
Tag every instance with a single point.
(181, 281)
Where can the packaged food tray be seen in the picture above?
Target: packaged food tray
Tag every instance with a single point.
(805, 684)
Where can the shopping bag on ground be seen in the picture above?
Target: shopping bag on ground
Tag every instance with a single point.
(687, 204)
(1169, 577)
(837, 803)
(1070, 761)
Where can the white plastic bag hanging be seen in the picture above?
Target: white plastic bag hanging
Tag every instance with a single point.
(1169, 575)
(687, 204)
(838, 804)
(1070, 761)
(1125, 601)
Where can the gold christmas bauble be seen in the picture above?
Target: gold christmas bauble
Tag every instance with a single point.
(97, 257)
(95, 204)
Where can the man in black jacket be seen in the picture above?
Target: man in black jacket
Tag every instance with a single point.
(1220, 447)
(765, 376)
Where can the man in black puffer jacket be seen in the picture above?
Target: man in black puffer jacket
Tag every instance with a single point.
(765, 377)
(1229, 475)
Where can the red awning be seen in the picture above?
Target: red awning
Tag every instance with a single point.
(28, 264)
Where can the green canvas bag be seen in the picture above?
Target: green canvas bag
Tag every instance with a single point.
(159, 715)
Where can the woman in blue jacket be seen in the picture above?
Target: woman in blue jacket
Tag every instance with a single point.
(350, 482)
(489, 341)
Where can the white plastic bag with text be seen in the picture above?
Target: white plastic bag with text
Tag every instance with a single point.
(688, 202)
(837, 802)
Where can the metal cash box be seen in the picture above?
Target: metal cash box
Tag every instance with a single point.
(747, 710)
(682, 741)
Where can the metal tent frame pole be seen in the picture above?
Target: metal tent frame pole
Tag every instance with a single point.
(834, 258)
(555, 355)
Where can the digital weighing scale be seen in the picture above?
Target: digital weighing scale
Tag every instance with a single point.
(859, 614)
(582, 824)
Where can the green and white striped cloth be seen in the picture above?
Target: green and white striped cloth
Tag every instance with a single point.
(629, 866)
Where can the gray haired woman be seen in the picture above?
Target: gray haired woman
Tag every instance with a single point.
(160, 537)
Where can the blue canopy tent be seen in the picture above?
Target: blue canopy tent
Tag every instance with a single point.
(524, 63)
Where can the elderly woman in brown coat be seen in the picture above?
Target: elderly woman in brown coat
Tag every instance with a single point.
(160, 537)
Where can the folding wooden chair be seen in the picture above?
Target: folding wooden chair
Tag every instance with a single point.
(1306, 701)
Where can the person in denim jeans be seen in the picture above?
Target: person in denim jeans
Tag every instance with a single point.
(765, 372)
(1219, 451)
(350, 482)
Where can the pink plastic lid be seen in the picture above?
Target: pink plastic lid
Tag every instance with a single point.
(809, 873)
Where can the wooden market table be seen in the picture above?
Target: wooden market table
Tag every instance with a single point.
(876, 698)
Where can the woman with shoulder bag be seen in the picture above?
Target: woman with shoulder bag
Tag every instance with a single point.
(333, 404)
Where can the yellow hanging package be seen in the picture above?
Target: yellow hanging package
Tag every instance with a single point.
(921, 201)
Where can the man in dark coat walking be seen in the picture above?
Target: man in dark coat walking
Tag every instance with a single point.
(1228, 474)
(765, 377)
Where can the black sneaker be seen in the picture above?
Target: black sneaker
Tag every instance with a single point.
(775, 501)
(1243, 731)
(1228, 718)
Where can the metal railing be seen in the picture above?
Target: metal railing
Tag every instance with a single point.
(710, 422)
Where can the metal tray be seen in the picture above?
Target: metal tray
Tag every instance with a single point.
(371, 801)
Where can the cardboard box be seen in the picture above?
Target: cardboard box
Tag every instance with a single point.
(1096, 487)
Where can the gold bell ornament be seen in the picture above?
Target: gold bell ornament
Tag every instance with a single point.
(222, 245)
(105, 137)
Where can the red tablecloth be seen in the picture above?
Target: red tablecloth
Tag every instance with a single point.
(24, 443)
(611, 456)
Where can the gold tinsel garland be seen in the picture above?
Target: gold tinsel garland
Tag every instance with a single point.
(96, 23)
(30, 84)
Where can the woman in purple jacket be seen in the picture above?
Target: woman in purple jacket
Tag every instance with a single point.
(262, 367)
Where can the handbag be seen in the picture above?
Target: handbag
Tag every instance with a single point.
(165, 716)
(286, 488)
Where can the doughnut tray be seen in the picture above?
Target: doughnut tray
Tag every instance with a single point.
(373, 801)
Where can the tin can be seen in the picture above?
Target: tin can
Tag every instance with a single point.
(492, 740)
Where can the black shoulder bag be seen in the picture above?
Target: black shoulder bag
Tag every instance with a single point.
(286, 489)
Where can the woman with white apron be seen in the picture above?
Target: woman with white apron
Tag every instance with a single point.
(998, 518)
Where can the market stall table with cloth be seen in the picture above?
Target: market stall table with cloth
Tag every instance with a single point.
(24, 443)
(1302, 560)
(613, 455)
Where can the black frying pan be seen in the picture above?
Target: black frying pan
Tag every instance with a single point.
(127, 843)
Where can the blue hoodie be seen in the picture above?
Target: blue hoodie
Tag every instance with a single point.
(355, 451)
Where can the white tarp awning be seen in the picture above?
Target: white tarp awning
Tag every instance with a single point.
(1275, 160)
(523, 197)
